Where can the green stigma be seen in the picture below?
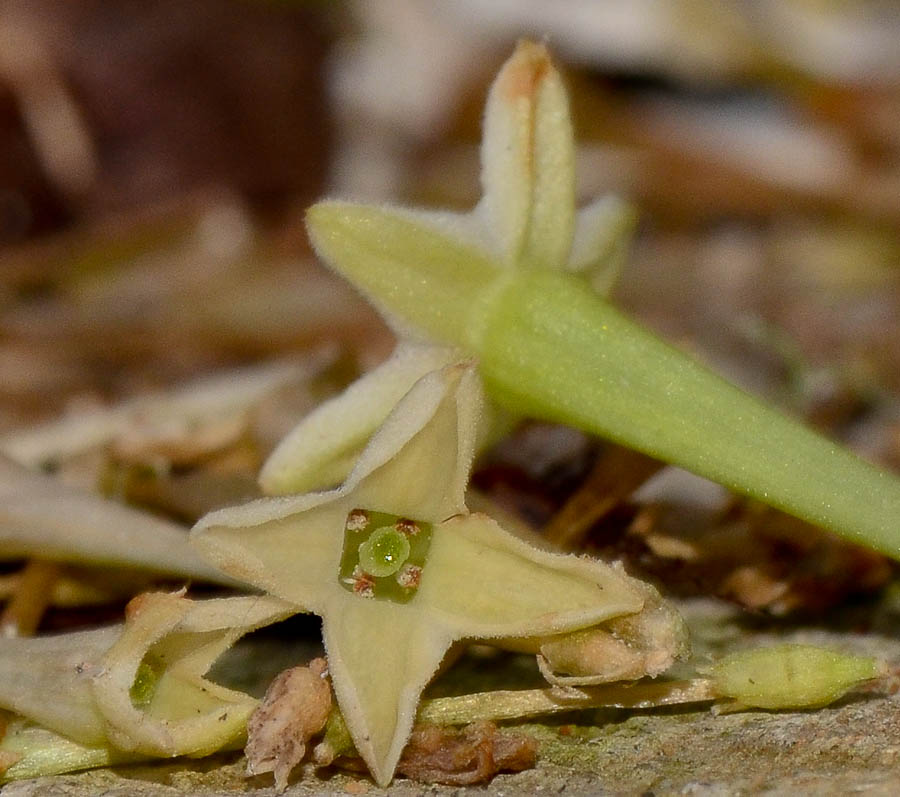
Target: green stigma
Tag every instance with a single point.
(384, 552)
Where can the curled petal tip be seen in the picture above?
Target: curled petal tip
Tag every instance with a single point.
(524, 71)
(527, 154)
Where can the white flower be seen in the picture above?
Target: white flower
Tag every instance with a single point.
(398, 569)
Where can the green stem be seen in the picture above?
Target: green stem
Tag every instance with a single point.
(523, 703)
(551, 349)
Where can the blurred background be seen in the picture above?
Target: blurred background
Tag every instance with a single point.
(156, 158)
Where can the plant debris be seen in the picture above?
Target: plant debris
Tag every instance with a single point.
(465, 757)
(33, 593)
(294, 709)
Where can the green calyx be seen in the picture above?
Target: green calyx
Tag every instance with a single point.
(383, 555)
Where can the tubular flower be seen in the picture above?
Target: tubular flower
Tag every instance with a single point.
(519, 284)
(131, 691)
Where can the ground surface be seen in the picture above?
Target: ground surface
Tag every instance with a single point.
(853, 746)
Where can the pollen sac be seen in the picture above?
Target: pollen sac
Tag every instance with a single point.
(384, 555)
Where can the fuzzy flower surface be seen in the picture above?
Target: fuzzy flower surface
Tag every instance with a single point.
(520, 283)
(527, 218)
(398, 568)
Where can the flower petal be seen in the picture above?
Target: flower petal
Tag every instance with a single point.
(483, 582)
(527, 155)
(380, 656)
(322, 448)
(184, 714)
(48, 680)
(409, 267)
(603, 232)
(288, 546)
(417, 464)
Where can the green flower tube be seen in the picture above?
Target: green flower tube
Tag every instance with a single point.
(520, 283)
(552, 349)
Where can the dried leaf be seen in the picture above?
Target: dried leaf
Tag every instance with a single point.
(616, 474)
(33, 594)
(464, 757)
(179, 443)
(159, 418)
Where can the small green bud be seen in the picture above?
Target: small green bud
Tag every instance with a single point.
(790, 676)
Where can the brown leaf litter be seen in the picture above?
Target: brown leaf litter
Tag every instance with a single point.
(296, 708)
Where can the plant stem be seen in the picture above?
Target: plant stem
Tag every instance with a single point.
(522, 703)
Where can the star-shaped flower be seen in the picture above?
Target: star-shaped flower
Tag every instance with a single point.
(399, 570)
(519, 284)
